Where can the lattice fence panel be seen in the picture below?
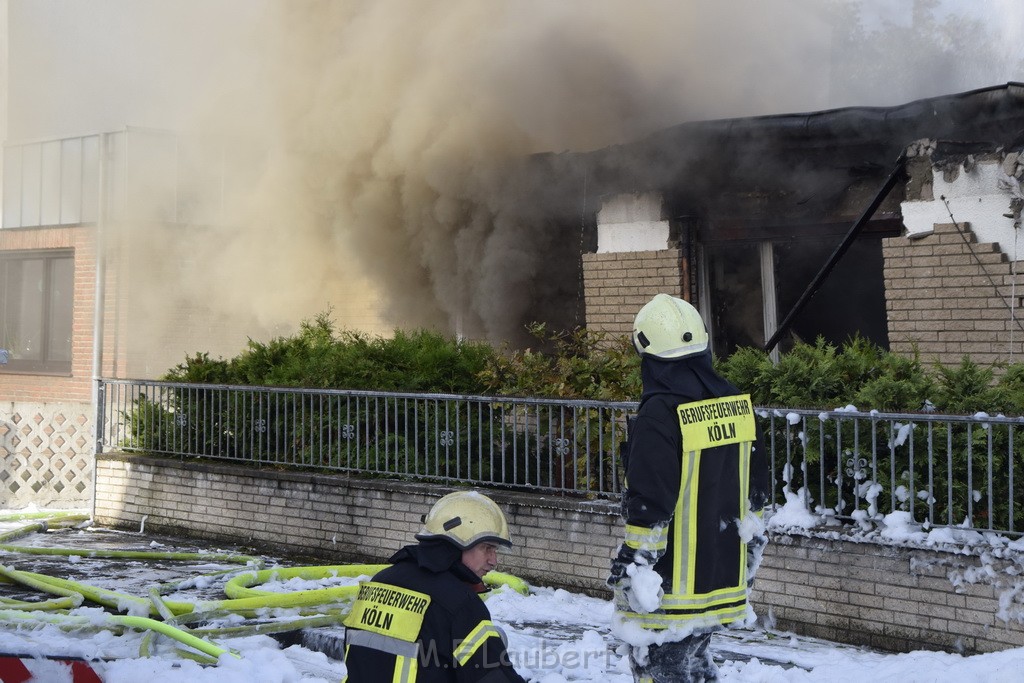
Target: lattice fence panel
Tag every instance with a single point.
(46, 454)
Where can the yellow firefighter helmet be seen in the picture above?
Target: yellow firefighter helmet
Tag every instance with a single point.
(466, 518)
(667, 327)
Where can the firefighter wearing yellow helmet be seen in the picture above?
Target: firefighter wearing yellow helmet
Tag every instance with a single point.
(466, 518)
(696, 480)
(668, 328)
(422, 619)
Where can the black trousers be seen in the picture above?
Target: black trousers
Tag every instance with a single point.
(684, 661)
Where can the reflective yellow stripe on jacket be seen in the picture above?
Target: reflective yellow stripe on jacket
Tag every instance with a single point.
(405, 653)
(644, 538)
(473, 641)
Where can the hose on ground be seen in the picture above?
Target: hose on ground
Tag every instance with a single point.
(159, 616)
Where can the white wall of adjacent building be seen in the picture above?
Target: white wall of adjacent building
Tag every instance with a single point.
(979, 197)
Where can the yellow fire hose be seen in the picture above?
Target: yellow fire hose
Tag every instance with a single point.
(328, 606)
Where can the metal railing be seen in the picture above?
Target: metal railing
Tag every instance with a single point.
(536, 444)
(943, 470)
(160, 173)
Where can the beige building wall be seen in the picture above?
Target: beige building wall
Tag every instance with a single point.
(949, 295)
(616, 285)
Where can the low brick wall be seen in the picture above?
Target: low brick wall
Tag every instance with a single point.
(885, 596)
(558, 542)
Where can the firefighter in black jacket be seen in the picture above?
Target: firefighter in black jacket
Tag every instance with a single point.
(696, 481)
(422, 620)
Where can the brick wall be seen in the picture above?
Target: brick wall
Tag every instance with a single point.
(342, 518)
(77, 386)
(863, 593)
(46, 420)
(950, 297)
(616, 285)
(884, 596)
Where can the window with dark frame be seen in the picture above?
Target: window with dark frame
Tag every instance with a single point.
(36, 307)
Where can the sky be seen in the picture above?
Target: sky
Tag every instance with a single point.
(554, 636)
(380, 134)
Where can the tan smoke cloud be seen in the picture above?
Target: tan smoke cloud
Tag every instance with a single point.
(388, 124)
(375, 147)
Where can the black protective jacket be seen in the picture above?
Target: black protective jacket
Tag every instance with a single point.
(695, 469)
(422, 620)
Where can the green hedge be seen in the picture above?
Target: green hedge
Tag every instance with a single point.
(860, 373)
(320, 357)
(584, 364)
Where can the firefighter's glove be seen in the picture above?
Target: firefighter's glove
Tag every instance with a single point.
(621, 563)
(755, 550)
(635, 584)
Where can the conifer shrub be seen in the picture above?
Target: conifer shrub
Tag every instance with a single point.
(321, 357)
(581, 364)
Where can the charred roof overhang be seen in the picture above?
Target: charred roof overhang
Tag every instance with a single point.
(784, 174)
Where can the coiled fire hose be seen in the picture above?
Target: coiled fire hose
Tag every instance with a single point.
(170, 618)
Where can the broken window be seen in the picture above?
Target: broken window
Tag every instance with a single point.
(850, 301)
(742, 298)
(735, 300)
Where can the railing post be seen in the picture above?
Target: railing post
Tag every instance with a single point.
(101, 406)
(101, 416)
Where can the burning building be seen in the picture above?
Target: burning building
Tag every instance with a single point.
(395, 177)
(899, 224)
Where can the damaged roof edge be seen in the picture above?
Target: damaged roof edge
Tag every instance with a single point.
(954, 110)
(869, 137)
(780, 151)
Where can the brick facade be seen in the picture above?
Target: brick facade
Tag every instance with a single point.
(78, 386)
(895, 598)
(948, 295)
(47, 429)
(616, 285)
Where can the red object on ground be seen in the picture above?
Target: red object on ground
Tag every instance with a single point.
(15, 669)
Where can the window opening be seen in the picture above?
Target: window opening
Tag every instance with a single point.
(36, 311)
(747, 287)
